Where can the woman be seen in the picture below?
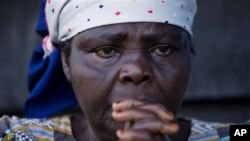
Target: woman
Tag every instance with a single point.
(128, 63)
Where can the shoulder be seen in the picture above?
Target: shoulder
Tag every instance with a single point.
(210, 131)
(35, 129)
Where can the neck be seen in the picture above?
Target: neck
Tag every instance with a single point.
(81, 129)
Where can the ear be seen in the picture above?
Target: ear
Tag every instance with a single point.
(66, 65)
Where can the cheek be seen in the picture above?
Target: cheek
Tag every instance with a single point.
(173, 79)
(89, 83)
(92, 82)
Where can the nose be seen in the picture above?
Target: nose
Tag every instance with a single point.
(136, 71)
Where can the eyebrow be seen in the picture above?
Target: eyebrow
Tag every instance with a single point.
(115, 37)
(122, 36)
(105, 37)
(161, 35)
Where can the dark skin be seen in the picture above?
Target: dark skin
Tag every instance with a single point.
(129, 80)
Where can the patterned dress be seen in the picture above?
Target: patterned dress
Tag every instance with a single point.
(21, 129)
(59, 129)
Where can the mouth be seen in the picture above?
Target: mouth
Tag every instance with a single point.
(108, 122)
(105, 118)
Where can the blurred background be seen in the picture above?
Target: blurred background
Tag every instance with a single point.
(219, 86)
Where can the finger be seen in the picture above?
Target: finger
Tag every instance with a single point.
(132, 115)
(134, 135)
(158, 110)
(156, 126)
(126, 104)
(154, 107)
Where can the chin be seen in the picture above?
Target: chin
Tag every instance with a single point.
(112, 125)
(107, 130)
(106, 123)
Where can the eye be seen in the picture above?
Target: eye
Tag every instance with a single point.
(106, 52)
(162, 50)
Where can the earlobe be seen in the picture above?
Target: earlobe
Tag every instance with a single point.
(65, 65)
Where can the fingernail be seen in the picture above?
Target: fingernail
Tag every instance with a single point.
(174, 125)
(121, 131)
(170, 113)
(118, 110)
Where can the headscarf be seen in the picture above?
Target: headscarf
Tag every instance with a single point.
(66, 18)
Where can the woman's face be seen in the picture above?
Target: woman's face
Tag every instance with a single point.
(145, 61)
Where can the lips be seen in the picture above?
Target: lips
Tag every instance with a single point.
(119, 93)
(151, 93)
(107, 121)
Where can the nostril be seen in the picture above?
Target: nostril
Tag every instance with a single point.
(128, 79)
(145, 78)
(136, 80)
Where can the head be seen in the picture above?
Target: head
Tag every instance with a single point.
(111, 62)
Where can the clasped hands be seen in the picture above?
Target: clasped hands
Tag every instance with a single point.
(144, 121)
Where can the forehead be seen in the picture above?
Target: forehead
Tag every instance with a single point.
(134, 30)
